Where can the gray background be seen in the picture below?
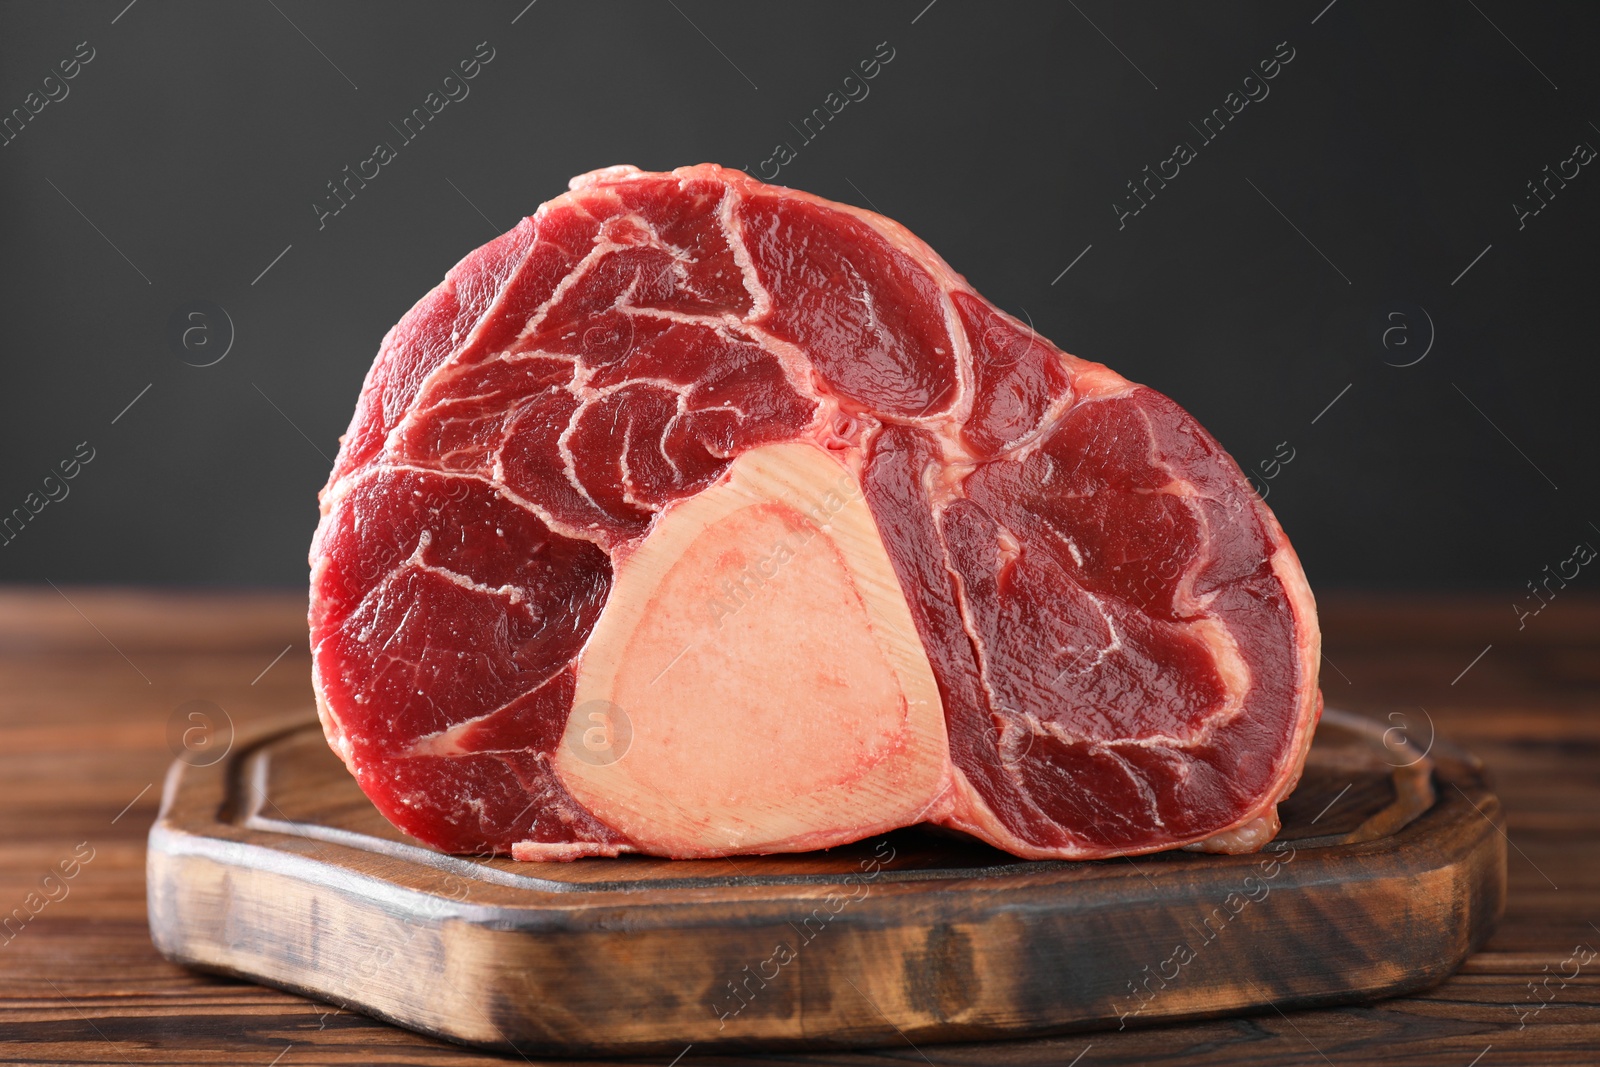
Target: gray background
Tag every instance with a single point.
(1254, 289)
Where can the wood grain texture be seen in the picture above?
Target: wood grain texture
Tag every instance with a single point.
(84, 734)
(270, 864)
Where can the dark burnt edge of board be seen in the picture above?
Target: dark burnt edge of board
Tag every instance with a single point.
(353, 1007)
(246, 796)
(1421, 980)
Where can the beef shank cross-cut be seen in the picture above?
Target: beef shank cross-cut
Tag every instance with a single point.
(696, 516)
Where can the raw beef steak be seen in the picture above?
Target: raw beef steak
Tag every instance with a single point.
(696, 516)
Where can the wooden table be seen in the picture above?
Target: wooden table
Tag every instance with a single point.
(89, 685)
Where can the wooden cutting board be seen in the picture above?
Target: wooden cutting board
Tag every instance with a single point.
(270, 864)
